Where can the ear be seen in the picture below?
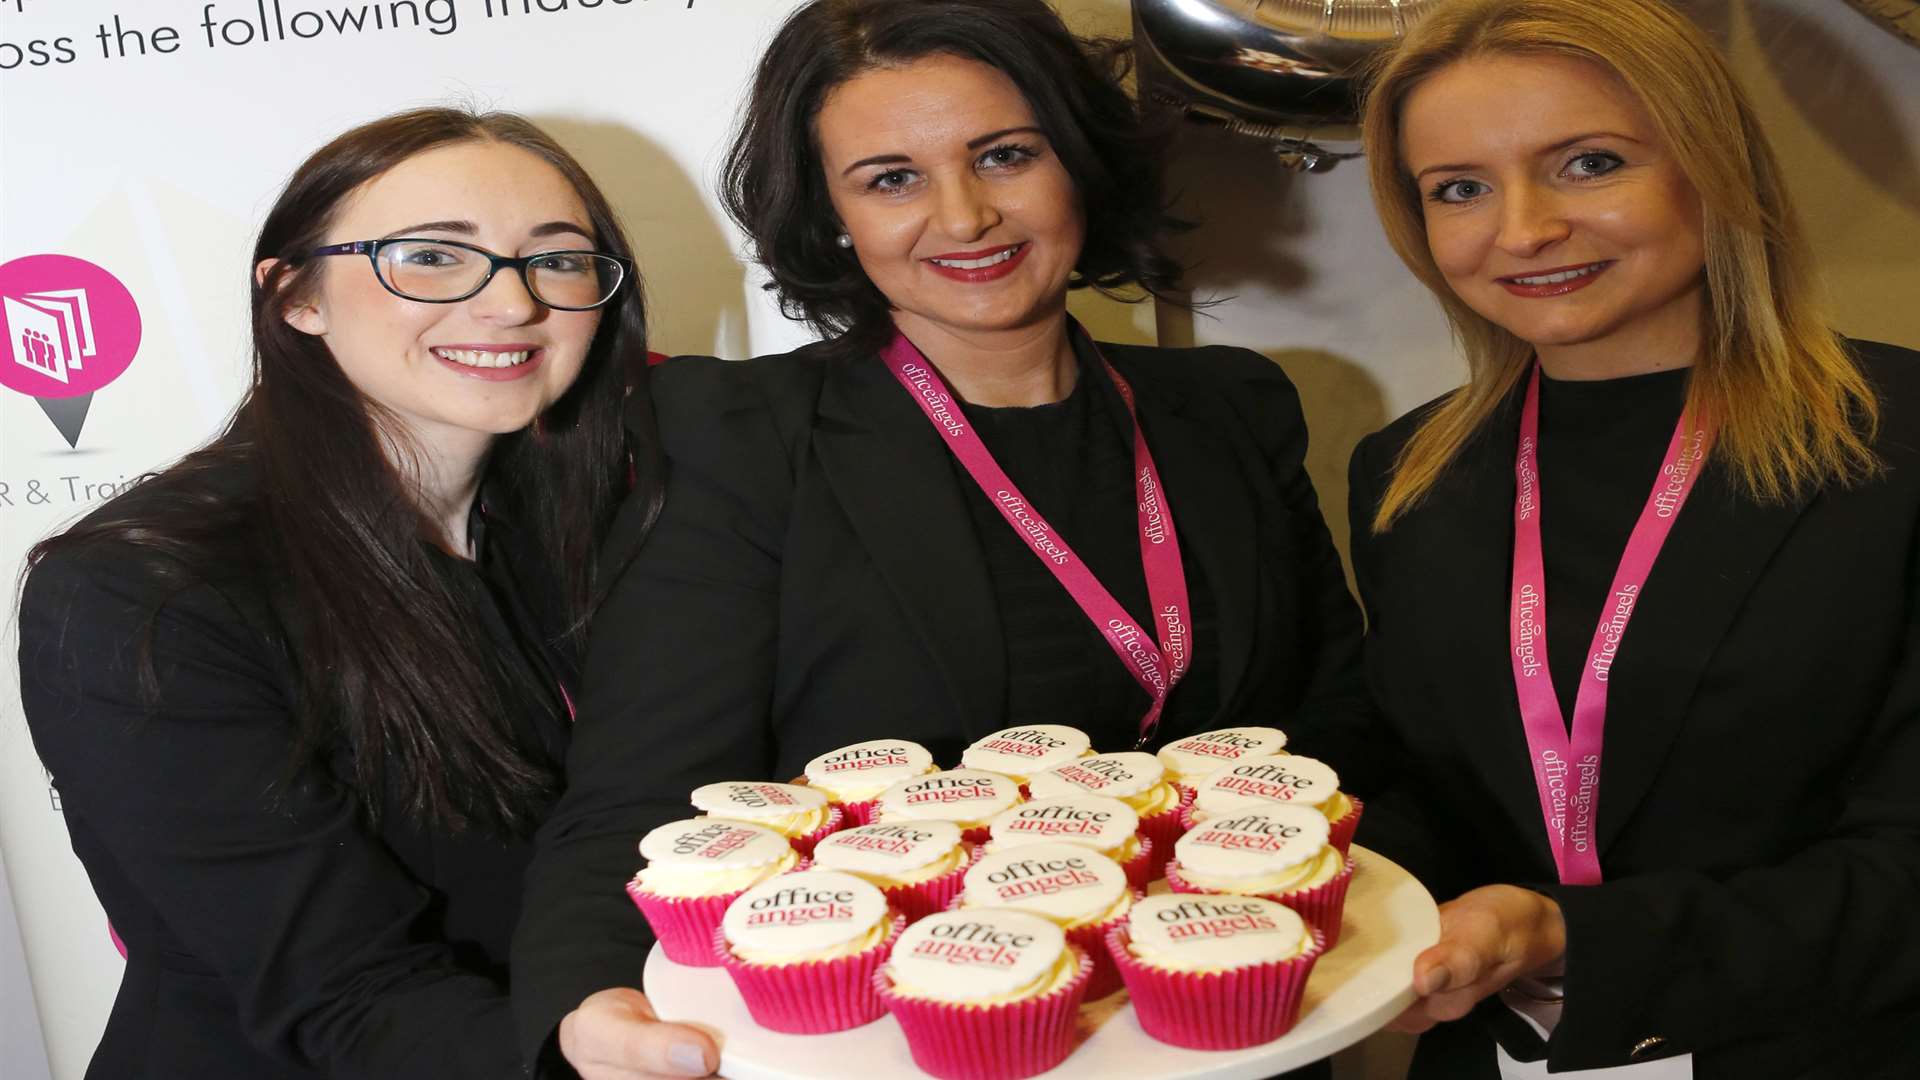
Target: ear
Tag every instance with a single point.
(304, 317)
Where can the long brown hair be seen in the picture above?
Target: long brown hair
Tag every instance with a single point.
(387, 657)
(1790, 408)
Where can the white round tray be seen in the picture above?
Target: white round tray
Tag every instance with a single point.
(1356, 988)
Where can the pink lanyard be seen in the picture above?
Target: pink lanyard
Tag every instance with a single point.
(1155, 669)
(1567, 769)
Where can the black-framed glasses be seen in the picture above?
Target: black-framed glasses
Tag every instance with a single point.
(448, 271)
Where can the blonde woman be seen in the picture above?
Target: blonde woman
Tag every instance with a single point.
(1641, 595)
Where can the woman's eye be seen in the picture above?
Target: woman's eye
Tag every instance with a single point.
(891, 180)
(1457, 191)
(560, 264)
(431, 258)
(1593, 163)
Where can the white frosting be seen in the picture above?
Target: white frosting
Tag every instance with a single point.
(874, 763)
(1120, 775)
(1061, 881)
(1024, 751)
(712, 844)
(812, 911)
(1199, 754)
(975, 954)
(1192, 932)
(962, 795)
(1092, 821)
(1289, 778)
(744, 800)
(887, 848)
(1254, 842)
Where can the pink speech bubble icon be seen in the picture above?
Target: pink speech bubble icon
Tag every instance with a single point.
(67, 327)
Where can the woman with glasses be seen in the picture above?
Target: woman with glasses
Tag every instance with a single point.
(958, 512)
(306, 692)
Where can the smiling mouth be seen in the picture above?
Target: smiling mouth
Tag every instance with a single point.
(1559, 277)
(995, 258)
(485, 358)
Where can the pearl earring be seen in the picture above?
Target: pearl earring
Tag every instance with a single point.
(844, 240)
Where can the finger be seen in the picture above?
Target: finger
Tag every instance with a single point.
(1414, 1021)
(1455, 1004)
(1449, 964)
(667, 1049)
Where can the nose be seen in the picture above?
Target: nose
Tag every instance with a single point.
(966, 210)
(505, 300)
(1531, 220)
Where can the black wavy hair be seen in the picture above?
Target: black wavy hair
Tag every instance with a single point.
(774, 186)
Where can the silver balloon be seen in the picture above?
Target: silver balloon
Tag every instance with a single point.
(1282, 70)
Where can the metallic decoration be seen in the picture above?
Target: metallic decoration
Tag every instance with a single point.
(1279, 70)
(1900, 16)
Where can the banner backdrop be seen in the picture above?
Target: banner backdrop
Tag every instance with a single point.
(140, 143)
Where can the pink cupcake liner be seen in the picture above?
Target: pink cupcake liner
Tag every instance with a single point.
(1341, 835)
(1215, 1010)
(859, 813)
(811, 998)
(1321, 906)
(1140, 869)
(989, 1042)
(1165, 829)
(977, 835)
(684, 925)
(923, 898)
(805, 844)
(1092, 940)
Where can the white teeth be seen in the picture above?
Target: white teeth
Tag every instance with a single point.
(484, 359)
(1555, 279)
(977, 264)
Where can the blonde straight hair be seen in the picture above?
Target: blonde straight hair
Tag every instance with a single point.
(1789, 407)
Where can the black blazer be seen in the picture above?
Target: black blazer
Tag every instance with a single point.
(1759, 816)
(815, 579)
(265, 940)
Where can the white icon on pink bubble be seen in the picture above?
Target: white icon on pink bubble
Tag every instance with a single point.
(52, 331)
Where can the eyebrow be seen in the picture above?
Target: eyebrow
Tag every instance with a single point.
(1561, 145)
(974, 143)
(467, 228)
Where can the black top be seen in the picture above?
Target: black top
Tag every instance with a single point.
(816, 579)
(1073, 461)
(1758, 826)
(271, 935)
(1601, 446)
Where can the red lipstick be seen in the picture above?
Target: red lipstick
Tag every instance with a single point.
(976, 275)
(1557, 288)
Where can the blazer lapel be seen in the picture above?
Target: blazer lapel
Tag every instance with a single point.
(889, 470)
(1212, 519)
(1714, 555)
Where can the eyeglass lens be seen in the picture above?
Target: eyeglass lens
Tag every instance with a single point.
(425, 270)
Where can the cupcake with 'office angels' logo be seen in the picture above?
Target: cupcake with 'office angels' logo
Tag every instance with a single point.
(798, 813)
(803, 949)
(1134, 777)
(852, 777)
(1083, 891)
(1214, 972)
(967, 797)
(1277, 851)
(1020, 752)
(1189, 760)
(917, 865)
(694, 870)
(1288, 779)
(987, 994)
(1105, 825)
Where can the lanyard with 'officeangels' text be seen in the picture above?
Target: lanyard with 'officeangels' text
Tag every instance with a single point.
(1156, 661)
(1566, 764)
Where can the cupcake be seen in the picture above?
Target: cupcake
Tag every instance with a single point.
(918, 865)
(967, 797)
(803, 949)
(1190, 759)
(1288, 778)
(694, 870)
(1278, 851)
(1108, 826)
(800, 814)
(853, 777)
(1020, 752)
(1135, 778)
(1214, 972)
(985, 995)
(1085, 893)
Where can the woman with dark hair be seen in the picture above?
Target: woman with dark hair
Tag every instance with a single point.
(306, 692)
(860, 536)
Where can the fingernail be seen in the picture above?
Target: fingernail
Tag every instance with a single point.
(1434, 981)
(688, 1058)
